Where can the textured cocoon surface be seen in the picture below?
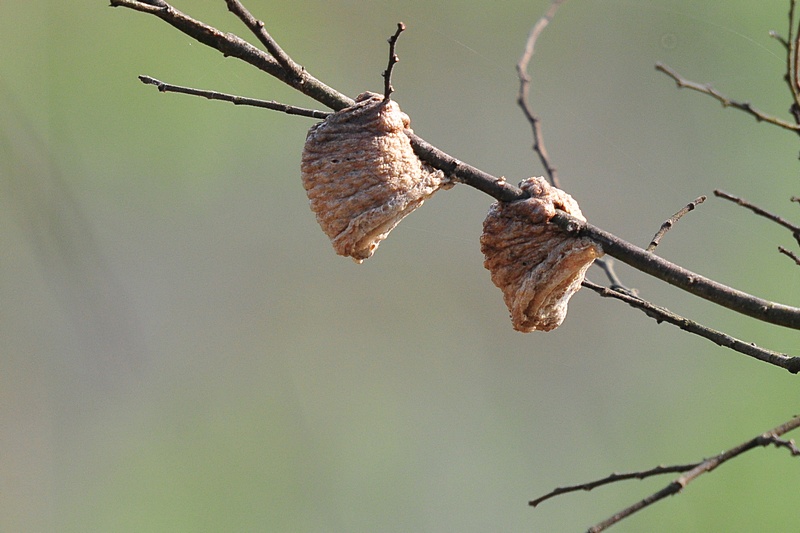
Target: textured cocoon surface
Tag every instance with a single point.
(362, 176)
(538, 266)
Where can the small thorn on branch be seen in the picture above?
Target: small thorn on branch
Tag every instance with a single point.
(393, 59)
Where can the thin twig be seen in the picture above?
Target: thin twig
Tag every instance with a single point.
(795, 229)
(234, 99)
(765, 439)
(667, 225)
(393, 59)
(257, 27)
(778, 37)
(613, 478)
(496, 187)
(234, 46)
(661, 314)
(793, 59)
(524, 90)
(606, 263)
(760, 116)
(789, 253)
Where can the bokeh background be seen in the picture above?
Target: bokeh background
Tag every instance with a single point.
(181, 350)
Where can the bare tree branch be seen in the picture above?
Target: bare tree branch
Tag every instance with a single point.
(661, 314)
(613, 478)
(794, 228)
(234, 99)
(606, 264)
(393, 59)
(790, 254)
(524, 90)
(257, 27)
(792, 40)
(760, 116)
(667, 225)
(680, 277)
(231, 45)
(765, 439)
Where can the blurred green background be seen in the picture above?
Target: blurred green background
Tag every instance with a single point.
(183, 351)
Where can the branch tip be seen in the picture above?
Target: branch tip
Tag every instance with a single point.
(393, 59)
(671, 221)
(524, 90)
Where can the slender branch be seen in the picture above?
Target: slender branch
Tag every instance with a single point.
(765, 439)
(231, 45)
(789, 253)
(524, 90)
(234, 99)
(793, 58)
(257, 27)
(713, 291)
(795, 229)
(606, 263)
(613, 478)
(496, 187)
(661, 314)
(671, 221)
(791, 55)
(393, 59)
(760, 116)
(465, 173)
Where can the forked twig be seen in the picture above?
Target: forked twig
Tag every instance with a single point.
(606, 264)
(613, 478)
(234, 46)
(765, 439)
(667, 225)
